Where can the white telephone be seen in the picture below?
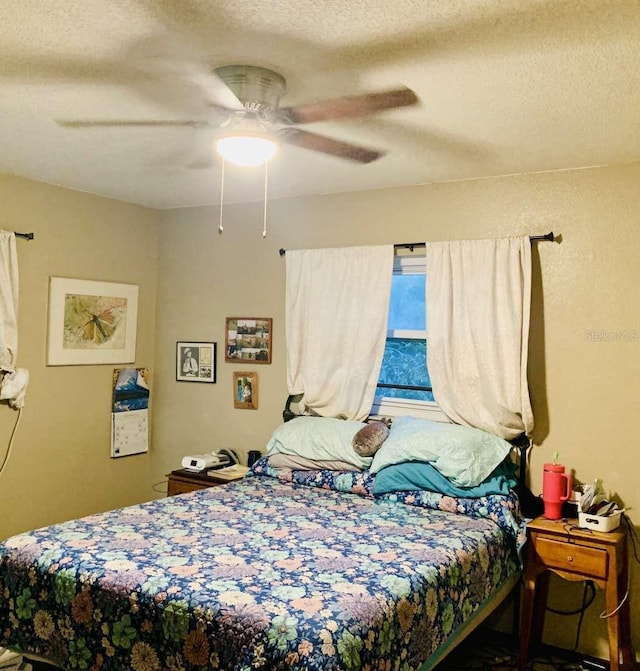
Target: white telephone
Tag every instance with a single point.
(203, 462)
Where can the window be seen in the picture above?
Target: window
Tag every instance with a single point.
(404, 386)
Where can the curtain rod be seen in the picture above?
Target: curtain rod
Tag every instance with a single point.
(27, 236)
(549, 237)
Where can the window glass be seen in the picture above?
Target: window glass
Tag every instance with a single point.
(405, 363)
(407, 304)
(405, 355)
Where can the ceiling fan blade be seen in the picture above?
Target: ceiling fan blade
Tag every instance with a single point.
(327, 145)
(72, 123)
(352, 106)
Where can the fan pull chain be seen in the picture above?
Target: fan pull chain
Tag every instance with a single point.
(266, 180)
(220, 226)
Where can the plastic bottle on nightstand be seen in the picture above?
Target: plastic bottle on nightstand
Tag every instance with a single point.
(556, 489)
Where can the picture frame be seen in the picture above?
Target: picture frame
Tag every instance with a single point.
(248, 339)
(196, 361)
(91, 322)
(245, 390)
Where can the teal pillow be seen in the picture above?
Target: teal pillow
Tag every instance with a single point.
(464, 455)
(320, 439)
(418, 476)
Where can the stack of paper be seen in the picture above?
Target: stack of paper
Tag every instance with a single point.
(235, 472)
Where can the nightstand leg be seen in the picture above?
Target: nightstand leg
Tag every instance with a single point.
(625, 618)
(536, 588)
(612, 604)
(540, 607)
(526, 614)
(525, 622)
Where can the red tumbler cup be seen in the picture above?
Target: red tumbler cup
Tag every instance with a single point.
(556, 489)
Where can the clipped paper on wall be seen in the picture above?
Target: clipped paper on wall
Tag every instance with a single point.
(130, 412)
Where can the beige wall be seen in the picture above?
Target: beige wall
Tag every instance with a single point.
(60, 467)
(586, 393)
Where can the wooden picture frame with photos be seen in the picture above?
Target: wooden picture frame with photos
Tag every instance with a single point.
(248, 339)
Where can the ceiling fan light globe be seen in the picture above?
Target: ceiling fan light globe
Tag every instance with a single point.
(247, 150)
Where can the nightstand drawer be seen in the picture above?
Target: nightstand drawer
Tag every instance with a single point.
(574, 558)
(181, 487)
(182, 481)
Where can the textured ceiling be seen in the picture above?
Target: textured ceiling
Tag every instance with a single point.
(505, 86)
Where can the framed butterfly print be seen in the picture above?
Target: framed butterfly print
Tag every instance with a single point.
(91, 322)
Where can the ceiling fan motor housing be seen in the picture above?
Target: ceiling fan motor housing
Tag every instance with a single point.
(253, 86)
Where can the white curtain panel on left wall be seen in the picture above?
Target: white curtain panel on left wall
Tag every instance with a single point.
(8, 301)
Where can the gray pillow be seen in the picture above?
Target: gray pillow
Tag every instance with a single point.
(292, 462)
(369, 439)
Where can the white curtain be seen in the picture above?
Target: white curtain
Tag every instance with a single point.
(8, 301)
(337, 304)
(478, 303)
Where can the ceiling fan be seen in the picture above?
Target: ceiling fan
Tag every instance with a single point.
(248, 97)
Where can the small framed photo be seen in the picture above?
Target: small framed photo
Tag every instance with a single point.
(245, 390)
(248, 339)
(196, 361)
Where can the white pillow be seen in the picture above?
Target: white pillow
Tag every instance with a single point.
(465, 455)
(320, 439)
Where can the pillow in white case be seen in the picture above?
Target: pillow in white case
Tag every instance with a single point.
(320, 439)
(465, 455)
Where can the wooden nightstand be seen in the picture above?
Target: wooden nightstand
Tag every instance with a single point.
(562, 548)
(184, 480)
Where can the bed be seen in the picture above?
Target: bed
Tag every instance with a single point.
(308, 569)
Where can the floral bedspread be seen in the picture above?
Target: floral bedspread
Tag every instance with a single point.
(253, 575)
(504, 510)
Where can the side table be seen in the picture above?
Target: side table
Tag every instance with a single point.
(183, 480)
(560, 547)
